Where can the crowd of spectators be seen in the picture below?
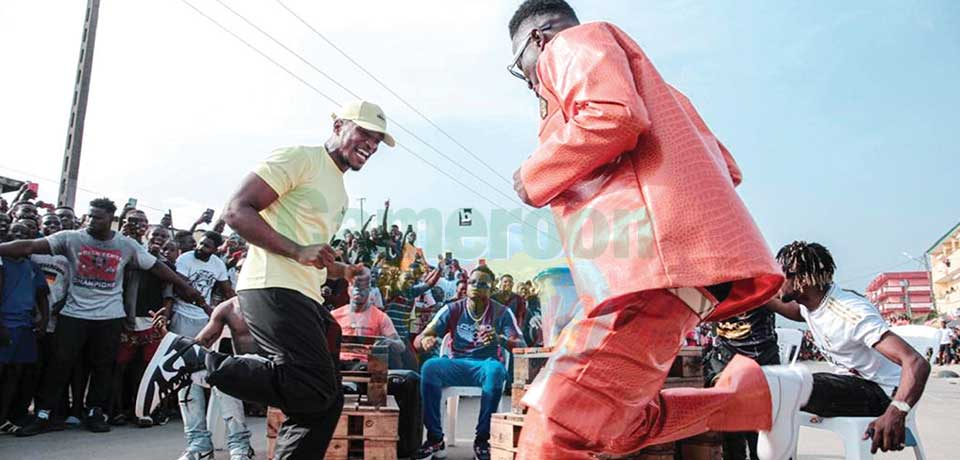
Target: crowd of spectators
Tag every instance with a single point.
(52, 298)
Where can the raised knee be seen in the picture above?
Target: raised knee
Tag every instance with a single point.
(430, 368)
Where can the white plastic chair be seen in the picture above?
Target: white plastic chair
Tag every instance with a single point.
(851, 429)
(789, 341)
(924, 339)
(450, 400)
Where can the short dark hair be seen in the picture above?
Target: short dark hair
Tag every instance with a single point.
(484, 269)
(65, 207)
(531, 8)
(216, 237)
(105, 204)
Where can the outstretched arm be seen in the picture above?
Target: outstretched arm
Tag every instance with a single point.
(787, 310)
(25, 248)
(180, 284)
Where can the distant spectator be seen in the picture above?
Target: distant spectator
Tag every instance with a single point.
(90, 322)
(23, 297)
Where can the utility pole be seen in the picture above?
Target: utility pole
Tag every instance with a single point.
(362, 199)
(78, 110)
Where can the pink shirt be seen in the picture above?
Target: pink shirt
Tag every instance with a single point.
(371, 322)
(642, 191)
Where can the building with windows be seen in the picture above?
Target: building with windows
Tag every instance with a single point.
(898, 293)
(945, 271)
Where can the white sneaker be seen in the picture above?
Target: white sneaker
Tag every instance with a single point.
(194, 455)
(242, 454)
(790, 389)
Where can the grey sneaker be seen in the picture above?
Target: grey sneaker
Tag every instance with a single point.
(194, 455)
(242, 454)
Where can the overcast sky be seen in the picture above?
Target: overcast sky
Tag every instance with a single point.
(841, 114)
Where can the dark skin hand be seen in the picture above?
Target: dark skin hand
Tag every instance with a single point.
(243, 215)
(887, 431)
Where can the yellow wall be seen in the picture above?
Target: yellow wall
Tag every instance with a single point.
(946, 280)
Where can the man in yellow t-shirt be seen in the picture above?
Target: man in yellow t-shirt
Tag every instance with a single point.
(288, 209)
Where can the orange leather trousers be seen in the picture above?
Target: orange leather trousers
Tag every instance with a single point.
(601, 392)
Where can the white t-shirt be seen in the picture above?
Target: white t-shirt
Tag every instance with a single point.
(946, 335)
(202, 276)
(449, 287)
(846, 327)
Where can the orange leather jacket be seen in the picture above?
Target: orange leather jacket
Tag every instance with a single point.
(642, 191)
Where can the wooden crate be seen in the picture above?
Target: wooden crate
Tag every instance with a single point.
(517, 391)
(505, 430)
(364, 432)
(501, 454)
(686, 371)
(707, 446)
(361, 449)
(373, 381)
(527, 363)
(689, 363)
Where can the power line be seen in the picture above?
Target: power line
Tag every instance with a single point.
(874, 272)
(357, 96)
(334, 101)
(400, 98)
(52, 181)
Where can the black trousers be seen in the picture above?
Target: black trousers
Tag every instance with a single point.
(738, 445)
(836, 395)
(94, 342)
(298, 375)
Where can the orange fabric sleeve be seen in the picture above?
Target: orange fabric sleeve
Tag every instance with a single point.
(603, 112)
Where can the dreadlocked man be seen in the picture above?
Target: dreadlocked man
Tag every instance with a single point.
(871, 363)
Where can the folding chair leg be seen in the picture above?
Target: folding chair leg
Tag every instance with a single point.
(453, 406)
(917, 449)
(856, 449)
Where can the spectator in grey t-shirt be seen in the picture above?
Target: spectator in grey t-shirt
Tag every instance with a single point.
(91, 319)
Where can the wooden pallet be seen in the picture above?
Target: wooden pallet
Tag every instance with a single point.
(364, 432)
(686, 371)
(505, 431)
(505, 435)
(373, 381)
(527, 363)
(707, 446)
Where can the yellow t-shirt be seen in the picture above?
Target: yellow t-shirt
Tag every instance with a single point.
(310, 208)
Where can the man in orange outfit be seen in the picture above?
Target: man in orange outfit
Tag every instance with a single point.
(657, 240)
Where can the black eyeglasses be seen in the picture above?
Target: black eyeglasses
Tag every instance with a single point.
(514, 68)
(479, 284)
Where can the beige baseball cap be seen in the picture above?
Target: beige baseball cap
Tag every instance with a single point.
(366, 115)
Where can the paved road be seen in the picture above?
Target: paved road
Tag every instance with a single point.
(939, 424)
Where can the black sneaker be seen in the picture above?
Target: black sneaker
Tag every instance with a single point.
(175, 360)
(117, 420)
(95, 421)
(431, 449)
(481, 450)
(144, 422)
(160, 418)
(38, 424)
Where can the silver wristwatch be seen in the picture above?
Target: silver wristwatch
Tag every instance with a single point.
(901, 406)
